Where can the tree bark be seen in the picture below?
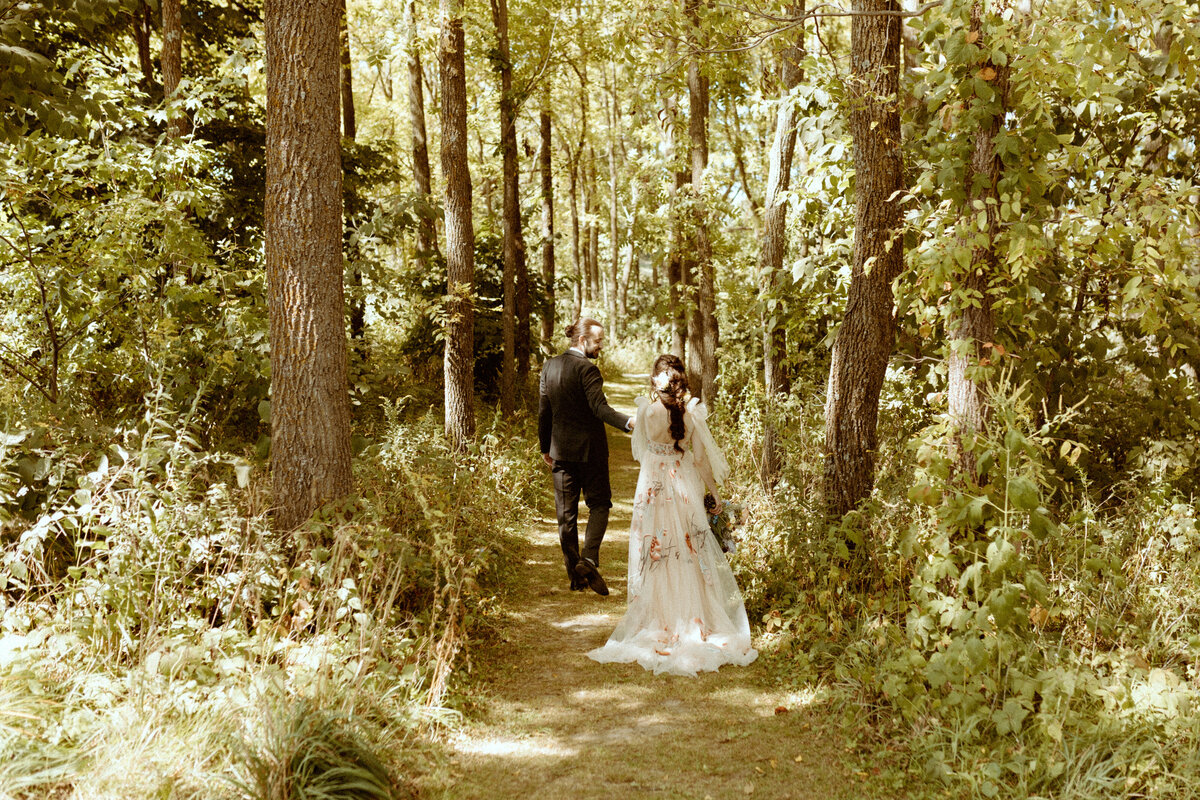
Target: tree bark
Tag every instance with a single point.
(141, 35)
(427, 244)
(774, 247)
(358, 303)
(629, 273)
(865, 339)
(614, 322)
(592, 203)
(460, 232)
(576, 254)
(973, 325)
(310, 404)
(706, 340)
(172, 66)
(514, 236)
(676, 296)
(512, 213)
(546, 166)
(349, 126)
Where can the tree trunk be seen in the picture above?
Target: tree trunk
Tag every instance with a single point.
(427, 245)
(310, 404)
(631, 263)
(864, 342)
(512, 213)
(614, 322)
(460, 232)
(141, 35)
(676, 296)
(593, 250)
(172, 67)
(973, 325)
(774, 247)
(349, 126)
(358, 303)
(545, 164)
(706, 337)
(576, 254)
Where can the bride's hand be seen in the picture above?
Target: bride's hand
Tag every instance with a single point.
(719, 507)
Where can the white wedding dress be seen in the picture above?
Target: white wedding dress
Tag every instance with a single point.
(685, 613)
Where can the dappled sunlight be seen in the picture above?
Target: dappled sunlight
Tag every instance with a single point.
(549, 707)
(512, 748)
(585, 621)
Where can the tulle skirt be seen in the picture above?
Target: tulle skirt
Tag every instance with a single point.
(685, 613)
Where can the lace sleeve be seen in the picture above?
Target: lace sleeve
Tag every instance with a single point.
(639, 429)
(703, 444)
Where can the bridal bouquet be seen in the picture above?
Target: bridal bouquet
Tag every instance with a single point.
(725, 524)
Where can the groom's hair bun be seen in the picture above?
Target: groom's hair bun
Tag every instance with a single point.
(579, 328)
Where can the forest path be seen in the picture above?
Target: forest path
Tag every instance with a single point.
(553, 724)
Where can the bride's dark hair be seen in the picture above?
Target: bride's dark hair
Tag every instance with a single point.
(670, 383)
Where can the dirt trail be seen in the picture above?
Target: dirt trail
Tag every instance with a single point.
(555, 724)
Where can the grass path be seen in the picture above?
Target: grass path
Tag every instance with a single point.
(554, 724)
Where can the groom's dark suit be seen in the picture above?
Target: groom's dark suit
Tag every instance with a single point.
(571, 415)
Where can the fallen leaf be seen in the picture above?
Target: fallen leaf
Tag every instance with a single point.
(798, 759)
(781, 710)
(988, 73)
(749, 788)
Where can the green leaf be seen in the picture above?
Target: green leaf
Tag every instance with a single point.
(1023, 493)
(1009, 718)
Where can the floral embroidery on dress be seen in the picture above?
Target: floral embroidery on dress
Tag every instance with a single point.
(685, 613)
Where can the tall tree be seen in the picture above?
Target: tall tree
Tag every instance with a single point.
(704, 340)
(973, 325)
(545, 166)
(358, 302)
(864, 341)
(515, 318)
(576, 251)
(460, 231)
(310, 404)
(141, 35)
(349, 125)
(774, 244)
(426, 226)
(172, 65)
(676, 294)
(512, 212)
(615, 324)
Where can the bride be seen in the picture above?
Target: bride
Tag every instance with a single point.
(685, 613)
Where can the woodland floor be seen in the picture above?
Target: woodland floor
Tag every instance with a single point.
(551, 723)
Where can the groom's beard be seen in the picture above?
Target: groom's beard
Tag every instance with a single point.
(591, 351)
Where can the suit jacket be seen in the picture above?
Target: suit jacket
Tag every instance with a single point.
(572, 410)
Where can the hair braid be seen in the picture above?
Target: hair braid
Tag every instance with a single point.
(671, 384)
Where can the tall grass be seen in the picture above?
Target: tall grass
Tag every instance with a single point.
(158, 640)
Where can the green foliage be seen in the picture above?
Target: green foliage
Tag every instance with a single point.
(303, 752)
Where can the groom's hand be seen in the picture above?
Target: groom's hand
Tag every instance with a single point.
(549, 461)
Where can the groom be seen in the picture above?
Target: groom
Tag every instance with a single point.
(572, 411)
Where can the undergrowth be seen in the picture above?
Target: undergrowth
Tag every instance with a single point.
(1011, 636)
(157, 639)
